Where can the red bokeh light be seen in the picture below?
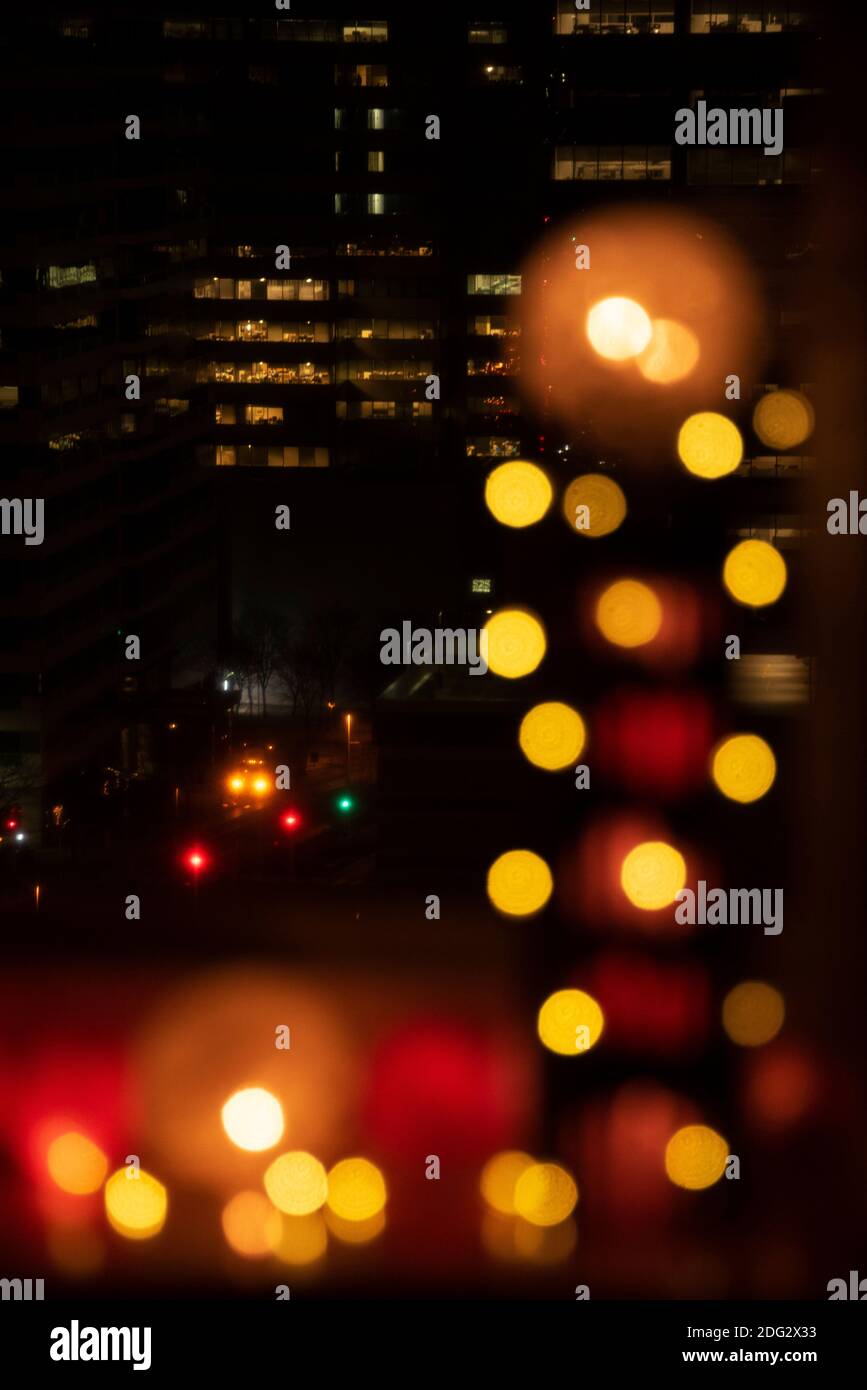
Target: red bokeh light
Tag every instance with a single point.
(654, 742)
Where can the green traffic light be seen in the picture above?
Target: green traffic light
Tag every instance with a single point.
(345, 803)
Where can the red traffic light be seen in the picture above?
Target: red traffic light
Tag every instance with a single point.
(290, 820)
(12, 825)
(196, 859)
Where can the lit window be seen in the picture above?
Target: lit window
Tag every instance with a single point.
(8, 397)
(493, 284)
(493, 446)
(361, 75)
(614, 17)
(263, 414)
(376, 161)
(498, 72)
(365, 31)
(61, 277)
(481, 31)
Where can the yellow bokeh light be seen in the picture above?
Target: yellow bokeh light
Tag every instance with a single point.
(783, 419)
(303, 1239)
(251, 1225)
(552, 735)
(356, 1189)
(296, 1183)
(516, 643)
(618, 328)
(710, 445)
(499, 1178)
(695, 1157)
(652, 874)
(136, 1205)
(355, 1232)
(518, 493)
(628, 613)
(744, 767)
(671, 354)
(545, 1194)
(519, 883)
(570, 1022)
(76, 1164)
(753, 1013)
(594, 505)
(754, 573)
(253, 1119)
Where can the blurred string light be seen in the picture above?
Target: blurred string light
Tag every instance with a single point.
(552, 735)
(618, 328)
(753, 1013)
(296, 1183)
(594, 505)
(519, 883)
(136, 1206)
(516, 643)
(545, 1194)
(356, 1189)
(628, 613)
(652, 874)
(695, 1157)
(354, 1232)
(518, 493)
(671, 354)
(251, 1225)
(76, 1164)
(710, 445)
(499, 1179)
(570, 1022)
(754, 573)
(512, 1239)
(303, 1239)
(744, 767)
(783, 419)
(253, 1119)
(656, 742)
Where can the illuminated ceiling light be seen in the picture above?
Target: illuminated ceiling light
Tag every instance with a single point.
(671, 354)
(753, 1013)
(499, 1178)
(594, 505)
(296, 1183)
(135, 1204)
(518, 493)
(76, 1164)
(783, 419)
(253, 1119)
(652, 875)
(516, 643)
(744, 767)
(754, 573)
(570, 1022)
(628, 613)
(545, 1194)
(519, 883)
(356, 1189)
(618, 328)
(710, 445)
(695, 1157)
(551, 735)
(251, 1225)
